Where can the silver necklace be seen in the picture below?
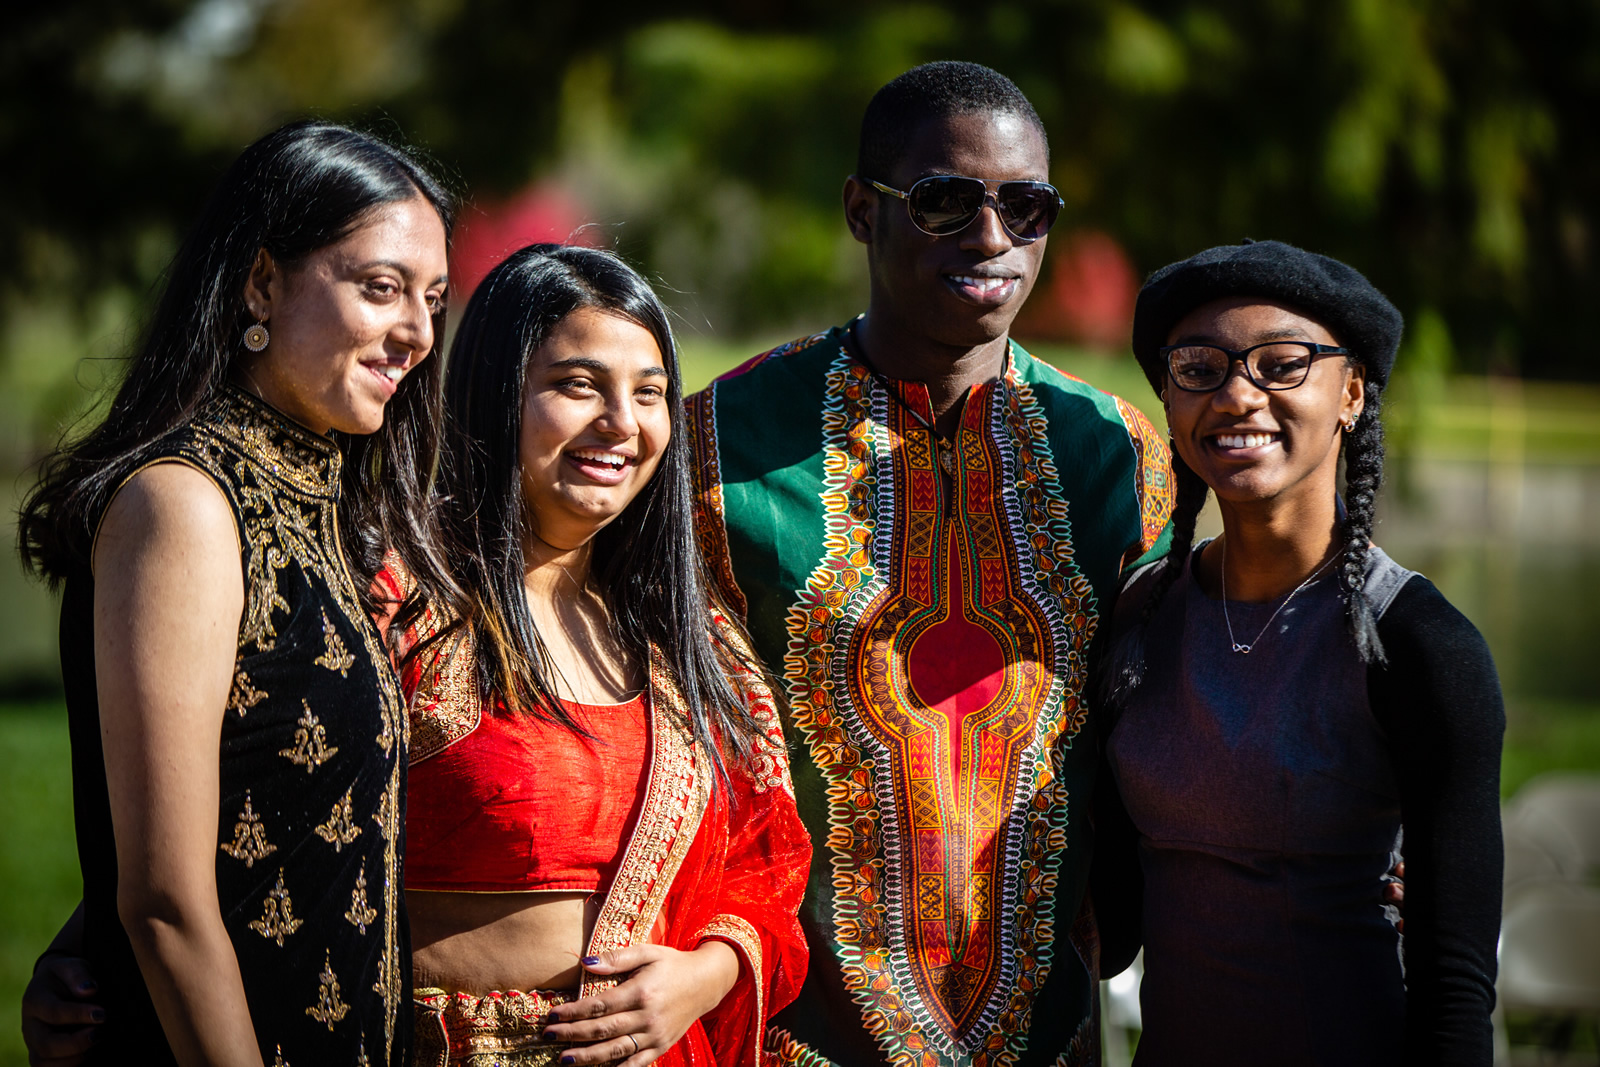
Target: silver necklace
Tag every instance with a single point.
(1234, 641)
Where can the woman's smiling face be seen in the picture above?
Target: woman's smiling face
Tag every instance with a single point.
(595, 422)
(1251, 444)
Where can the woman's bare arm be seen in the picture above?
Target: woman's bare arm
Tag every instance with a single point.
(169, 594)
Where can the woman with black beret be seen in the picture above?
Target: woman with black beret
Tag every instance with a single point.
(1287, 700)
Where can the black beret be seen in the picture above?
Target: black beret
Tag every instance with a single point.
(1336, 295)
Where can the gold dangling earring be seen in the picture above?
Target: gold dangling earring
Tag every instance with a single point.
(256, 337)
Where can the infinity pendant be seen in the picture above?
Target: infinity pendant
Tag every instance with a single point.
(1242, 648)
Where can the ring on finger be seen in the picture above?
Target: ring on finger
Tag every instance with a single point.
(635, 1042)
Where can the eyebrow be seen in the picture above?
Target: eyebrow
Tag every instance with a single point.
(399, 268)
(599, 367)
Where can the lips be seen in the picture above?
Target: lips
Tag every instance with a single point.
(600, 465)
(984, 288)
(389, 374)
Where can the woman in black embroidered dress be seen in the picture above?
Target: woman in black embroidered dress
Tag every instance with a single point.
(239, 743)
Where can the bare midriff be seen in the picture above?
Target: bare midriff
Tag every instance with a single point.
(480, 942)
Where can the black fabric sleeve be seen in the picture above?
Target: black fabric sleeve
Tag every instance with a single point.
(1439, 701)
(1116, 880)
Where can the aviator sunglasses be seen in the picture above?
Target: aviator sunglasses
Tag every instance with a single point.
(942, 204)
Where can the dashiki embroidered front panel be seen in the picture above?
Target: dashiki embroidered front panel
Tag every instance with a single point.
(313, 754)
(931, 621)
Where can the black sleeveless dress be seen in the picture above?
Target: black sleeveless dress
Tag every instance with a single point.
(313, 754)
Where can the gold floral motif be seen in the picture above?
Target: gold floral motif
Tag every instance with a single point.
(360, 914)
(335, 657)
(381, 816)
(361, 1060)
(277, 919)
(249, 837)
(328, 1009)
(311, 749)
(243, 696)
(340, 829)
(278, 1060)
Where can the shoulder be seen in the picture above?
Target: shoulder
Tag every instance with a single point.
(169, 499)
(1421, 622)
(777, 364)
(1055, 386)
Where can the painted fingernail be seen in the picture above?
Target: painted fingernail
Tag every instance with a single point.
(569, 1059)
(98, 1015)
(589, 961)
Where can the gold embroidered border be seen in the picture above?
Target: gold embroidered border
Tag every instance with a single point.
(710, 527)
(741, 933)
(675, 801)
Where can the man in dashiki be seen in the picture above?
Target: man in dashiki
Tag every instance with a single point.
(924, 527)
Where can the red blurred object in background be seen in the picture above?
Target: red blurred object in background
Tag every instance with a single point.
(488, 231)
(1088, 293)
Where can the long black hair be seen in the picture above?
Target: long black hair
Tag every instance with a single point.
(645, 562)
(1362, 451)
(296, 190)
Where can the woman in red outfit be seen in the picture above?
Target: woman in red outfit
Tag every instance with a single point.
(604, 861)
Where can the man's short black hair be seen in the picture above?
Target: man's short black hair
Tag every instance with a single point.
(933, 91)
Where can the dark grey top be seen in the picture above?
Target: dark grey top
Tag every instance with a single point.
(1268, 810)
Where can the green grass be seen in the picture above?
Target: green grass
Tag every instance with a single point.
(39, 881)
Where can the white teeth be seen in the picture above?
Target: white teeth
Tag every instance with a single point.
(1244, 440)
(611, 459)
(983, 285)
(394, 374)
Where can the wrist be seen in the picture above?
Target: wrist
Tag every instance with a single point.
(720, 965)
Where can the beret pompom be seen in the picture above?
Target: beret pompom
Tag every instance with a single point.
(1319, 287)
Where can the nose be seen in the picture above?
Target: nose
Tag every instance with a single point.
(619, 419)
(986, 233)
(1238, 395)
(414, 332)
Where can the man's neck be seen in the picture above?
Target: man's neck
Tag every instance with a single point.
(948, 371)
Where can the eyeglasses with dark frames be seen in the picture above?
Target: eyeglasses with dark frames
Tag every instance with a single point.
(942, 204)
(1272, 365)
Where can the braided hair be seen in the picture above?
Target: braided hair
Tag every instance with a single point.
(1363, 473)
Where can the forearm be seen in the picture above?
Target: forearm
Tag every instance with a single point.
(189, 965)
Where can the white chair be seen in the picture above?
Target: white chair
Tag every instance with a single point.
(1119, 1013)
(1550, 953)
(1528, 861)
(1560, 813)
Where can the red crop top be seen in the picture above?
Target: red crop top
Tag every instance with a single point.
(519, 804)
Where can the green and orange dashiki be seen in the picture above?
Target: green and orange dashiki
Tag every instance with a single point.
(931, 617)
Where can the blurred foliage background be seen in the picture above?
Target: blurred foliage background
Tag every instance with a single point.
(1445, 147)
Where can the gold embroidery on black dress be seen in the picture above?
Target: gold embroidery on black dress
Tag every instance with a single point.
(328, 1009)
(243, 696)
(284, 483)
(278, 1060)
(340, 829)
(277, 919)
(360, 914)
(311, 749)
(336, 658)
(249, 837)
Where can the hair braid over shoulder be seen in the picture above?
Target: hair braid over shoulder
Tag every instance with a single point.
(1363, 458)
